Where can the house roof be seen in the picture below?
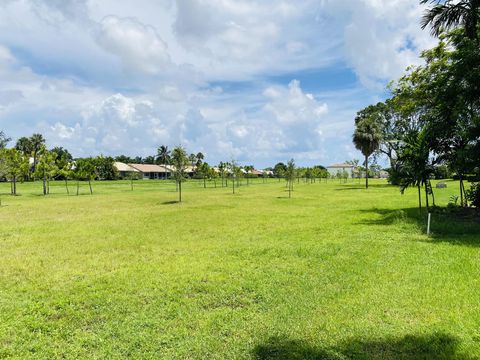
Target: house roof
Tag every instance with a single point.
(124, 167)
(340, 166)
(149, 168)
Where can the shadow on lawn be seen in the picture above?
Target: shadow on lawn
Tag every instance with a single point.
(362, 186)
(454, 228)
(434, 346)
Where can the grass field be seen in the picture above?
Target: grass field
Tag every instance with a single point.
(335, 272)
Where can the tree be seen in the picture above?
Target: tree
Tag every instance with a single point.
(204, 171)
(4, 140)
(14, 166)
(84, 169)
(449, 14)
(46, 167)
(279, 170)
(367, 137)
(65, 165)
(213, 175)
(290, 174)
(62, 153)
(179, 162)
(163, 156)
(105, 168)
(415, 164)
(222, 167)
(37, 141)
(199, 159)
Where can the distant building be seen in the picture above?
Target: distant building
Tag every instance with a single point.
(334, 169)
(124, 170)
(152, 171)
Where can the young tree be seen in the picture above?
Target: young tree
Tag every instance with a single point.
(14, 167)
(46, 167)
(179, 161)
(213, 175)
(367, 137)
(204, 171)
(290, 175)
(84, 169)
(222, 167)
(415, 164)
(65, 166)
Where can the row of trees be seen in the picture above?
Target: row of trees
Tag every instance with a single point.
(27, 161)
(432, 118)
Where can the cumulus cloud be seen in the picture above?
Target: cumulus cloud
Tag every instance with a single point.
(382, 38)
(139, 46)
(124, 77)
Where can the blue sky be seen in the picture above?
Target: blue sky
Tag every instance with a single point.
(255, 81)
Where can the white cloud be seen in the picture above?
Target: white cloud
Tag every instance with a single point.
(139, 46)
(382, 38)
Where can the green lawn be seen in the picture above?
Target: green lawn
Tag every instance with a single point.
(335, 272)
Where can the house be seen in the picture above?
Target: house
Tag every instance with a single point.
(334, 169)
(255, 172)
(152, 171)
(124, 170)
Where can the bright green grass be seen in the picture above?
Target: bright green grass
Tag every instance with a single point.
(335, 272)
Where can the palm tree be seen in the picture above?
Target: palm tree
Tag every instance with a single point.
(163, 155)
(4, 140)
(367, 138)
(37, 141)
(179, 161)
(449, 14)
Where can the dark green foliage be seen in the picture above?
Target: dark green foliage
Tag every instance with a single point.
(105, 168)
(473, 195)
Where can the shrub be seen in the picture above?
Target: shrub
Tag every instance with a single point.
(473, 195)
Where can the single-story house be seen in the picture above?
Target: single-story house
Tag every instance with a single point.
(152, 171)
(124, 170)
(334, 169)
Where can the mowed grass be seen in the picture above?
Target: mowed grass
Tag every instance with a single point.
(335, 272)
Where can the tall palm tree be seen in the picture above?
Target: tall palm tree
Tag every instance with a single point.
(448, 14)
(367, 138)
(37, 141)
(163, 155)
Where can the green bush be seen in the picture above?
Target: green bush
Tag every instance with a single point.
(473, 195)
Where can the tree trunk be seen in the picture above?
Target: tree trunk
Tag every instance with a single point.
(66, 186)
(78, 186)
(461, 190)
(179, 191)
(426, 196)
(433, 194)
(366, 172)
(419, 198)
(131, 184)
(204, 182)
(233, 185)
(14, 190)
(90, 186)
(44, 185)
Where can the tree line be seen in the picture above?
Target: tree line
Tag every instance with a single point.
(432, 118)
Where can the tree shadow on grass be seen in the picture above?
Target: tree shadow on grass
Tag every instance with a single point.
(444, 227)
(433, 346)
(170, 202)
(362, 186)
